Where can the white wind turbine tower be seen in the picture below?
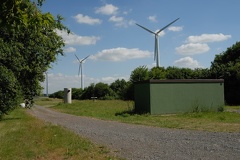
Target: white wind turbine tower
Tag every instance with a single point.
(81, 69)
(156, 50)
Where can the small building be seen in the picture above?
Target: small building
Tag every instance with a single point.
(178, 96)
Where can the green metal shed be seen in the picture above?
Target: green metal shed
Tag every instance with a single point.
(178, 96)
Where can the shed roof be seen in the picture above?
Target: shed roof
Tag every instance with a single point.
(183, 81)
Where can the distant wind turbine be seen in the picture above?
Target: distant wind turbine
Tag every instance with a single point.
(156, 50)
(81, 69)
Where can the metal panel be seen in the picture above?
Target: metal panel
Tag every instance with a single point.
(178, 96)
(142, 97)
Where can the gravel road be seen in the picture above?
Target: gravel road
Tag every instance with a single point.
(139, 142)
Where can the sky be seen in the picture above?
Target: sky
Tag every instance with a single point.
(106, 31)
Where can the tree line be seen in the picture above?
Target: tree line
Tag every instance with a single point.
(225, 65)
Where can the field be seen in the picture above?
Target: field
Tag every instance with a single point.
(24, 137)
(122, 111)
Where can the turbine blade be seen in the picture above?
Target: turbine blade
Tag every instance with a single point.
(84, 58)
(77, 57)
(145, 29)
(167, 26)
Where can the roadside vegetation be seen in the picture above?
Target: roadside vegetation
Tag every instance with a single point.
(24, 137)
(123, 111)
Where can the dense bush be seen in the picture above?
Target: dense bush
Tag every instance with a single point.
(227, 66)
(77, 93)
(58, 94)
(9, 91)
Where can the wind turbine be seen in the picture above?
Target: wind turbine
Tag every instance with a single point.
(156, 50)
(81, 69)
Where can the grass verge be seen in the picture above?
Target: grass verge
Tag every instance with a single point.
(24, 137)
(122, 111)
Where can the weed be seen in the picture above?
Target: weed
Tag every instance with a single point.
(220, 109)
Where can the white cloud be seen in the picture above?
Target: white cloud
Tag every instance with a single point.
(192, 48)
(175, 28)
(125, 12)
(111, 79)
(69, 49)
(187, 62)
(131, 22)
(74, 39)
(152, 18)
(116, 19)
(80, 18)
(120, 21)
(204, 38)
(108, 9)
(57, 82)
(120, 54)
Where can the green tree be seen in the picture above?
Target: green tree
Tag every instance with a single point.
(139, 74)
(128, 92)
(103, 91)
(77, 93)
(9, 91)
(173, 73)
(58, 94)
(201, 73)
(179, 73)
(119, 87)
(186, 73)
(157, 73)
(227, 66)
(88, 92)
(28, 44)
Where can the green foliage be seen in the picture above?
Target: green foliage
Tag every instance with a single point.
(100, 90)
(220, 109)
(28, 44)
(128, 92)
(9, 91)
(179, 73)
(157, 73)
(58, 94)
(227, 66)
(88, 92)
(103, 91)
(77, 93)
(119, 87)
(139, 74)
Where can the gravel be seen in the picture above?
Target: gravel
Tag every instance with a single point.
(138, 142)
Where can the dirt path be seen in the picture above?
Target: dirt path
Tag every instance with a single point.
(142, 142)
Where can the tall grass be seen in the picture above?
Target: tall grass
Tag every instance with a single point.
(122, 111)
(24, 137)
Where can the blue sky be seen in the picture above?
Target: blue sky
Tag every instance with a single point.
(106, 30)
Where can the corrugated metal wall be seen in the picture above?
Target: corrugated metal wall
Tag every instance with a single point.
(178, 96)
